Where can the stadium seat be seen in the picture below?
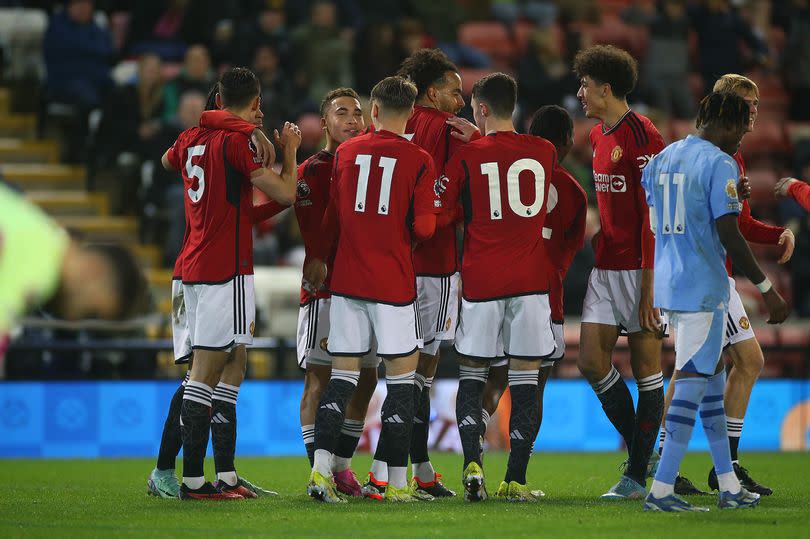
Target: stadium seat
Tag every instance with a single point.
(70, 202)
(766, 139)
(29, 176)
(489, 37)
(614, 31)
(16, 150)
(678, 129)
(523, 31)
(470, 76)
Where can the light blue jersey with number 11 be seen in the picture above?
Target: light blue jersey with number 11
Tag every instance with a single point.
(689, 185)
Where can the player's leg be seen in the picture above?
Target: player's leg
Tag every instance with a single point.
(313, 333)
(477, 344)
(163, 481)
(599, 332)
(746, 365)
(349, 340)
(497, 381)
(316, 378)
(352, 430)
(528, 339)
(211, 330)
(399, 337)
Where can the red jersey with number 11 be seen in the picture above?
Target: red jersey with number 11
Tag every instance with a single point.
(380, 182)
(502, 180)
(216, 166)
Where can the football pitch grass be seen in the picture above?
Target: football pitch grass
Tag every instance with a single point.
(104, 498)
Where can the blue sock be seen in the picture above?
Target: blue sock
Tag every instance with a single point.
(679, 424)
(713, 417)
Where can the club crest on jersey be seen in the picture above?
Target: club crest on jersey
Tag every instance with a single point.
(323, 344)
(448, 323)
(744, 323)
(252, 328)
(440, 186)
(731, 189)
(616, 154)
(302, 190)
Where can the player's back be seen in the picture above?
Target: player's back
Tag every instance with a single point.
(505, 183)
(216, 167)
(373, 187)
(690, 184)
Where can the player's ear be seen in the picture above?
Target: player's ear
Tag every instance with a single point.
(323, 123)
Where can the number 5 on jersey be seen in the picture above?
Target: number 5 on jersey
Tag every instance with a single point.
(387, 165)
(195, 171)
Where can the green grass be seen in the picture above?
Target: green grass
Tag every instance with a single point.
(103, 498)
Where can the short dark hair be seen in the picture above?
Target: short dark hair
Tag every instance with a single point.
(238, 87)
(553, 123)
(722, 109)
(426, 68)
(394, 94)
(131, 288)
(334, 94)
(499, 91)
(607, 64)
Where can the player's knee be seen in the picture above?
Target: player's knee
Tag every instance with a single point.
(750, 362)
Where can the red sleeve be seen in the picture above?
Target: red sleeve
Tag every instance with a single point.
(653, 147)
(575, 235)
(265, 211)
(757, 231)
(800, 192)
(451, 184)
(222, 119)
(241, 155)
(427, 195)
(172, 155)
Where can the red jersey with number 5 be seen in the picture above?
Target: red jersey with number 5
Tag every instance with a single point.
(502, 180)
(216, 166)
(380, 182)
(619, 157)
(564, 232)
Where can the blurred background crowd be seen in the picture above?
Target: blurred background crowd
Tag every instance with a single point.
(103, 87)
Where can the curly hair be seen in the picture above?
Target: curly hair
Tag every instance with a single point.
(607, 64)
(334, 94)
(722, 109)
(426, 68)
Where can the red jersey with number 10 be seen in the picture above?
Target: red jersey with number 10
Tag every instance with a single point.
(619, 157)
(380, 182)
(502, 180)
(216, 166)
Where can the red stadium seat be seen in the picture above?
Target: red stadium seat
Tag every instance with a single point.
(523, 31)
(768, 138)
(678, 129)
(490, 37)
(613, 31)
(470, 76)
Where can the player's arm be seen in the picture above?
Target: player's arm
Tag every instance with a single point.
(758, 232)
(462, 131)
(267, 210)
(281, 187)
(322, 247)
(649, 316)
(222, 119)
(796, 189)
(170, 160)
(575, 232)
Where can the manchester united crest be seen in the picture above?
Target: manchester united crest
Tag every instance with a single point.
(616, 154)
(744, 323)
(448, 323)
(252, 328)
(324, 342)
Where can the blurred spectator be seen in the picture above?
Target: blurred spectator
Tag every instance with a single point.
(130, 122)
(21, 33)
(541, 12)
(166, 27)
(797, 60)
(162, 190)
(269, 26)
(378, 55)
(543, 76)
(323, 55)
(442, 20)
(665, 73)
(278, 101)
(350, 18)
(720, 30)
(78, 55)
(196, 74)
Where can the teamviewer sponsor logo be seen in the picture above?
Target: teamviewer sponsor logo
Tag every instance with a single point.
(613, 183)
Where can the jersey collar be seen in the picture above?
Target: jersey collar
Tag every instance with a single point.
(617, 124)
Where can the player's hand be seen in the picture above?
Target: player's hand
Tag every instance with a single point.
(290, 136)
(782, 186)
(462, 129)
(744, 188)
(264, 148)
(777, 308)
(649, 316)
(314, 275)
(788, 241)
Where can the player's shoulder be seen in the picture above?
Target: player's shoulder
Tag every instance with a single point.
(642, 128)
(318, 162)
(430, 115)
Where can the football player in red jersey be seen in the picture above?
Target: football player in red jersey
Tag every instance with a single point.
(564, 232)
(219, 169)
(435, 128)
(380, 182)
(501, 181)
(619, 298)
(162, 480)
(741, 344)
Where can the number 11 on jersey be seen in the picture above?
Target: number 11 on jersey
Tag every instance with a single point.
(387, 165)
(678, 222)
